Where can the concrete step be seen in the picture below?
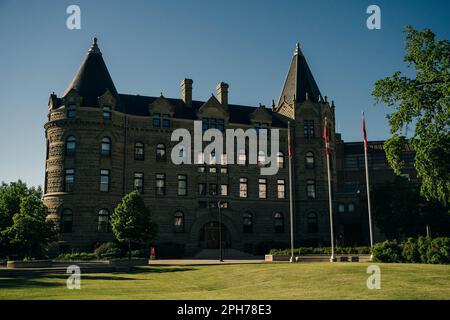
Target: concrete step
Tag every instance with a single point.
(229, 254)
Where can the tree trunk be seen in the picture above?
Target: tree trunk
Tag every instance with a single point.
(129, 249)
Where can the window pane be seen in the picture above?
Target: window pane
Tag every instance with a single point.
(224, 190)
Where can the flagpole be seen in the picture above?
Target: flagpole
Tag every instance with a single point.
(327, 151)
(291, 204)
(368, 185)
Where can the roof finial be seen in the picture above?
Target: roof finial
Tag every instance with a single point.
(94, 47)
(297, 49)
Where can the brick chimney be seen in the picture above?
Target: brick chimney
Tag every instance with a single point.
(222, 93)
(186, 91)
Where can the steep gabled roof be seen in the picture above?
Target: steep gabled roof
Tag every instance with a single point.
(299, 81)
(92, 78)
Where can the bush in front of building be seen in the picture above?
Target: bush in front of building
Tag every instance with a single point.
(321, 250)
(108, 250)
(387, 251)
(421, 250)
(76, 256)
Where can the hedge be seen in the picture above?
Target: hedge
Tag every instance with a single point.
(421, 250)
(322, 250)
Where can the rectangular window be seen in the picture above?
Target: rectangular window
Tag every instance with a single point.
(311, 189)
(223, 159)
(262, 188)
(69, 180)
(220, 125)
(165, 121)
(202, 189)
(104, 180)
(139, 182)
(205, 124)
(106, 113)
(156, 120)
(223, 189)
(224, 170)
(281, 189)
(242, 158)
(311, 128)
(71, 111)
(160, 184)
(201, 169)
(212, 169)
(213, 189)
(182, 185)
(243, 187)
(305, 128)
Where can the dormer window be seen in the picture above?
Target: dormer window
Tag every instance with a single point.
(165, 121)
(156, 120)
(213, 123)
(71, 111)
(161, 119)
(262, 126)
(107, 113)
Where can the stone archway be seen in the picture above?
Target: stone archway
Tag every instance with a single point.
(209, 236)
(206, 216)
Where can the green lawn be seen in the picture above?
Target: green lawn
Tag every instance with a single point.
(250, 281)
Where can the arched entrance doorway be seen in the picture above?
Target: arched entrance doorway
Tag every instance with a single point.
(208, 237)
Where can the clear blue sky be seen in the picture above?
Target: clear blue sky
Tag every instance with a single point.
(150, 46)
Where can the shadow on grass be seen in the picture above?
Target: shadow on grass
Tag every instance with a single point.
(38, 279)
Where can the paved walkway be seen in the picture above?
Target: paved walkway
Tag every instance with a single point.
(185, 262)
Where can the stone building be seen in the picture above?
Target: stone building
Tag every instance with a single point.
(102, 144)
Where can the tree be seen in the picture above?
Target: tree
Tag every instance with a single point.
(10, 198)
(131, 221)
(400, 211)
(422, 102)
(30, 229)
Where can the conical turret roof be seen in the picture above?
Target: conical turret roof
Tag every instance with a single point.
(92, 78)
(299, 81)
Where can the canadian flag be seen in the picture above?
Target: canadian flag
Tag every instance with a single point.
(364, 131)
(327, 139)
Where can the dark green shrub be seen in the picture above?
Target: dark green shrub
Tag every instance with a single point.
(81, 256)
(439, 251)
(423, 243)
(108, 250)
(410, 251)
(387, 251)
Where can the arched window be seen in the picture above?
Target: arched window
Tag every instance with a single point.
(311, 219)
(280, 160)
(71, 145)
(178, 222)
(103, 221)
(247, 222)
(66, 221)
(160, 152)
(138, 151)
(310, 160)
(278, 222)
(106, 146)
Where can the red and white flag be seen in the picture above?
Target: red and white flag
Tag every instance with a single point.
(364, 131)
(325, 136)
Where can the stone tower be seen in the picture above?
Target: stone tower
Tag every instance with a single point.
(301, 101)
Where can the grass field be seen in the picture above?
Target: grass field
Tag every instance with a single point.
(249, 281)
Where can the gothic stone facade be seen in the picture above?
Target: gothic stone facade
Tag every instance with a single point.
(102, 145)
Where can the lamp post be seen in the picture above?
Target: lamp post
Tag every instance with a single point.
(220, 232)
